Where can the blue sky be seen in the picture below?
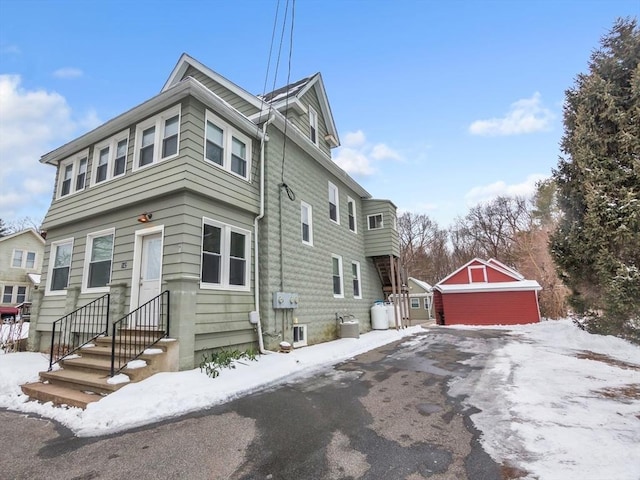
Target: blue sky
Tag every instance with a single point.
(439, 105)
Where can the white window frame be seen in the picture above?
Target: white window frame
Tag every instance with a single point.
(369, 217)
(477, 267)
(11, 295)
(426, 303)
(225, 247)
(309, 209)
(112, 144)
(352, 202)
(228, 134)
(303, 341)
(52, 258)
(158, 122)
(313, 126)
(414, 303)
(358, 277)
(334, 192)
(340, 274)
(23, 259)
(74, 161)
(87, 261)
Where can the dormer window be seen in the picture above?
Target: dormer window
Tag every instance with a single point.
(313, 125)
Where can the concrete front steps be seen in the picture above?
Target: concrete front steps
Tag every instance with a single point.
(83, 378)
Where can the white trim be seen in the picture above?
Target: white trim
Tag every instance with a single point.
(112, 144)
(517, 286)
(313, 126)
(482, 262)
(341, 275)
(417, 307)
(23, 260)
(309, 208)
(351, 201)
(74, 161)
(15, 287)
(375, 215)
(477, 267)
(159, 123)
(88, 249)
(334, 190)
(359, 276)
(225, 255)
(52, 258)
(228, 134)
(303, 342)
(137, 261)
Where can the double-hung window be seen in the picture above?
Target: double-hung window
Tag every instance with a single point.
(336, 264)
(23, 259)
(313, 125)
(73, 174)
(7, 294)
(306, 223)
(375, 221)
(157, 138)
(21, 295)
(110, 157)
(226, 256)
(355, 272)
(59, 267)
(98, 260)
(334, 207)
(227, 147)
(351, 207)
(415, 303)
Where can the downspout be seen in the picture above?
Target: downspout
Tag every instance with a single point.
(256, 287)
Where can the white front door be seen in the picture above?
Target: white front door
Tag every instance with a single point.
(150, 270)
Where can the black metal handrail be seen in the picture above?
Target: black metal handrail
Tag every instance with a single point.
(139, 330)
(76, 329)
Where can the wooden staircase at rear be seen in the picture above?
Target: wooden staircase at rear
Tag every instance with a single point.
(84, 378)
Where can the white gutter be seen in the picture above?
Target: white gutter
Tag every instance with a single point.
(256, 279)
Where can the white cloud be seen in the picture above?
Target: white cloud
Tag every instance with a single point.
(486, 193)
(68, 72)
(527, 115)
(357, 157)
(32, 123)
(9, 49)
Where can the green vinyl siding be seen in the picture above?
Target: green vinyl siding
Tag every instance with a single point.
(302, 121)
(383, 241)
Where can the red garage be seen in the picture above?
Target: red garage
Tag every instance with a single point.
(485, 292)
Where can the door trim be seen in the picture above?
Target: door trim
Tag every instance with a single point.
(137, 261)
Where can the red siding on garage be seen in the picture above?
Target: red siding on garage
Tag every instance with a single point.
(477, 271)
(490, 308)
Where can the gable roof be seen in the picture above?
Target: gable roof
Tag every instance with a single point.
(22, 232)
(424, 285)
(507, 271)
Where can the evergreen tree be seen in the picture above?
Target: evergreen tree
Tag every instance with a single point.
(597, 243)
(4, 229)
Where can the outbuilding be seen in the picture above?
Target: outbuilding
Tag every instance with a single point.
(486, 292)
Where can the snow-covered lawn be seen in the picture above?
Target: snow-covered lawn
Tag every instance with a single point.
(555, 401)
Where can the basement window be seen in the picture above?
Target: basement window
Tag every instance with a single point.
(299, 336)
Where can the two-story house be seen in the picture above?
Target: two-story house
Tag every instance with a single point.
(230, 203)
(21, 256)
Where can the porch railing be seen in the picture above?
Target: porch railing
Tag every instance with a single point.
(138, 331)
(78, 328)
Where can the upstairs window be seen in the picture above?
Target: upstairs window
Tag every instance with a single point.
(7, 294)
(351, 207)
(110, 157)
(336, 261)
(355, 272)
(21, 296)
(375, 221)
(59, 267)
(98, 260)
(227, 147)
(313, 125)
(226, 260)
(334, 209)
(157, 138)
(23, 259)
(306, 223)
(73, 174)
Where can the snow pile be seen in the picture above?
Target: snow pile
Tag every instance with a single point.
(559, 403)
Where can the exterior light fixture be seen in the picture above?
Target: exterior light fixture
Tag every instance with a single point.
(145, 217)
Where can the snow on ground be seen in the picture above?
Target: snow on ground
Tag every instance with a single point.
(167, 395)
(559, 403)
(555, 401)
